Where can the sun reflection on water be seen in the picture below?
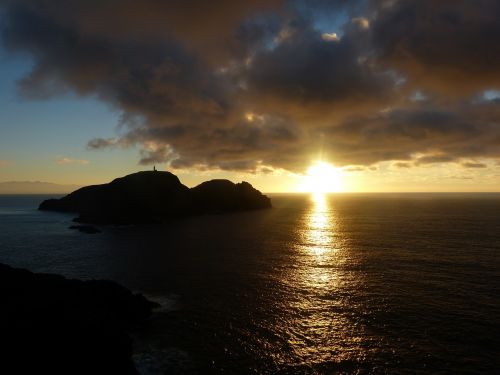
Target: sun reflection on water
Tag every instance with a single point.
(316, 326)
(318, 226)
(318, 242)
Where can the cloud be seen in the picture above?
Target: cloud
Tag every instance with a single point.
(361, 22)
(249, 85)
(354, 168)
(103, 143)
(434, 158)
(425, 135)
(446, 46)
(65, 160)
(156, 153)
(401, 164)
(308, 70)
(330, 37)
(470, 164)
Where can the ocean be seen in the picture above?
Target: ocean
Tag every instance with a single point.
(340, 283)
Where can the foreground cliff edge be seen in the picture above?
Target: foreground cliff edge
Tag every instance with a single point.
(154, 196)
(55, 325)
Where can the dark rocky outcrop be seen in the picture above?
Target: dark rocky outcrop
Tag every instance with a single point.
(154, 196)
(53, 325)
(136, 198)
(225, 196)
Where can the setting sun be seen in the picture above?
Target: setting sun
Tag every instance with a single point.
(322, 177)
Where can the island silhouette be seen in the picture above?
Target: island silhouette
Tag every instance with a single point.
(155, 196)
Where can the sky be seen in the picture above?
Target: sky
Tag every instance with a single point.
(394, 95)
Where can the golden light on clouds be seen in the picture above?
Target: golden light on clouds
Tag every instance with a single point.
(330, 37)
(362, 22)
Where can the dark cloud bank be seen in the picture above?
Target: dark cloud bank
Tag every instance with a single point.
(248, 84)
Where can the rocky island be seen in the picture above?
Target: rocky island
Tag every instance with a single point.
(54, 325)
(154, 196)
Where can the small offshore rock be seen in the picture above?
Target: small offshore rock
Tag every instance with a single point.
(89, 229)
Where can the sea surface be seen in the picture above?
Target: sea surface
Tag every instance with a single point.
(361, 283)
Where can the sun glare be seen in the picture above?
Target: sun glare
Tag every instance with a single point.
(321, 178)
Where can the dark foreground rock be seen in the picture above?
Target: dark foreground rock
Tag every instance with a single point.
(154, 196)
(53, 325)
